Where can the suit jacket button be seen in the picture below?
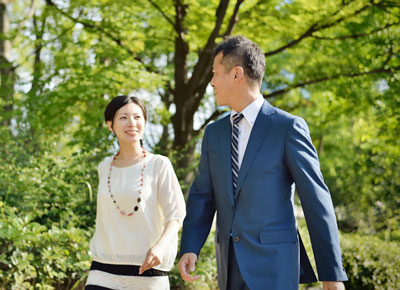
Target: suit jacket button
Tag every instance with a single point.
(236, 239)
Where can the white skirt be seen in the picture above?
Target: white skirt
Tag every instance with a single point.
(121, 282)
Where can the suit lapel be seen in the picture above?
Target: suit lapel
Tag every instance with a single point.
(225, 142)
(259, 131)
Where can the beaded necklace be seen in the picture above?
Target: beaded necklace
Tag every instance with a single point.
(139, 199)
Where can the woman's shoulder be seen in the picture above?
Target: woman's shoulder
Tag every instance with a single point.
(105, 162)
(159, 160)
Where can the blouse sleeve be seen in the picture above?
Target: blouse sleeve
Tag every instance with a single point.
(102, 167)
(170, 196)
(100, 171)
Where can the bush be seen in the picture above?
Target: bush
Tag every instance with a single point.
(47, 214)
(371, 263)
(34, 256)
(206, 267)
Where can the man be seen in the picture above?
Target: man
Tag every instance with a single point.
(248, 164)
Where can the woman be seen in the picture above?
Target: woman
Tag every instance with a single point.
(140, 208)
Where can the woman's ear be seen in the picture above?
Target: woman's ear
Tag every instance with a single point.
(109, 125)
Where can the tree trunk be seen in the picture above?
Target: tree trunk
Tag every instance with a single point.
(189, 91)
(7, 71)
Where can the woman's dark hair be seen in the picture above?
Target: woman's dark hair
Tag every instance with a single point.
(120, 101)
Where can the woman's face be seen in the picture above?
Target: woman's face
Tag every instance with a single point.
(128, 124)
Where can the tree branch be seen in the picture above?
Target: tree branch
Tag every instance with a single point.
(30, 14)
(181, 47)
(163, 14)
(199, 92)
(389, 57)
(314, 28)
(390, 4)
(90, 25)
(384, 7)
(234, 18)
(166, 96)
(204, 62)
(354, 36)
(303, 84)
(213, 117)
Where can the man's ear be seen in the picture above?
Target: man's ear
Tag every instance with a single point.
(109, 125)
(238, 73)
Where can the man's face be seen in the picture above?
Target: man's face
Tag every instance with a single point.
(222, 82)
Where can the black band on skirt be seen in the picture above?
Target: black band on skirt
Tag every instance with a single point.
(95, 287)
(126, 270)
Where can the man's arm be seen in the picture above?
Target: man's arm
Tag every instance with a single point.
(200, 210)
(302, 161)
(329, 285)
(186, 265)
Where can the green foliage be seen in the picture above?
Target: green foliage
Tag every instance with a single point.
(47, 214)
(340, 72)
(355, 128)
(52, 188)
(302, 226)
(371, 263)
(206, 267)
(36, 256)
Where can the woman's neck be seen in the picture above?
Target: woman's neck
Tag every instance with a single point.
(130, 151)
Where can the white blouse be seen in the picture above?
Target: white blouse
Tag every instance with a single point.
(120, 239)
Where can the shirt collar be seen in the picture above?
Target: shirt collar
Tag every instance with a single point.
(251, 111)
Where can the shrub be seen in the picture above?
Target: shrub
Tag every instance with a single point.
(371, 263)
(47, 214)
(34, 256)
(206, 267)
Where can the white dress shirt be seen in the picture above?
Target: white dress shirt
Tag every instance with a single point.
(246, 124)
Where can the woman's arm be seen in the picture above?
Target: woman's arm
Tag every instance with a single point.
(155, 254)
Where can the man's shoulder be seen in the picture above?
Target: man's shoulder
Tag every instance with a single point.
(284, 116)
(283, 119)
(218, 124)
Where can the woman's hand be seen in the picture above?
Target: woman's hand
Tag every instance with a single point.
(155, 255)
(154, 258)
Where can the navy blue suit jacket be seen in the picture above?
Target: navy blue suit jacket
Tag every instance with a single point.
(261, 217)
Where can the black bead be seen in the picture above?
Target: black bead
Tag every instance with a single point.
(136, 208)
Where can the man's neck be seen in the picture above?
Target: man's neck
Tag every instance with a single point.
(244, 99)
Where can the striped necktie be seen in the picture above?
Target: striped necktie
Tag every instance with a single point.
(235, 148)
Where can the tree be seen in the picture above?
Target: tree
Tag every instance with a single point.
(85, 51)
(305, 42)
(335, 63)
(7, 71)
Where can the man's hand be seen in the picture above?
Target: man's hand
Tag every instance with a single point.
(187, 264)
(330, 285)
(153, 258)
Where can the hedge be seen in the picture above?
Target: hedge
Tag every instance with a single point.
(35, 256)
(371, 263)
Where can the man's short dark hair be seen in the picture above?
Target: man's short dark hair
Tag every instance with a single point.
(240, 51)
